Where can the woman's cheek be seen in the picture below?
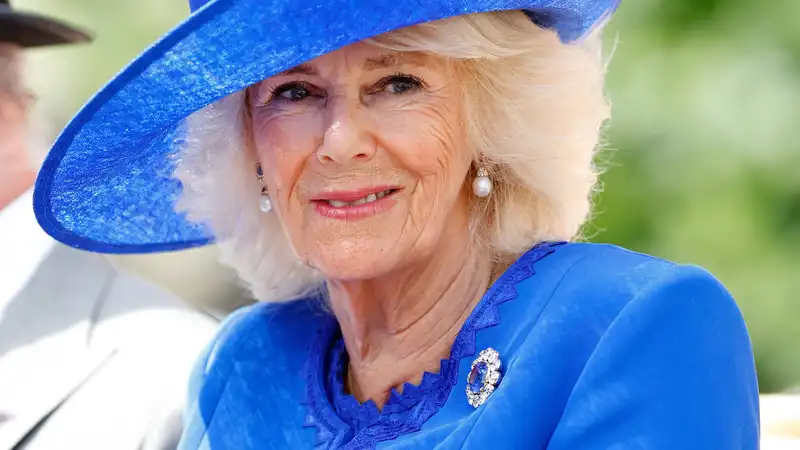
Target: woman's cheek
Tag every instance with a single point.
(423, 141)
(278, 135)
(283, 145)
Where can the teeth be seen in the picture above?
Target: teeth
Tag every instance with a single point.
(368, 199)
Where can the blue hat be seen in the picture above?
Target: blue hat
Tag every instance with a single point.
(106, 185)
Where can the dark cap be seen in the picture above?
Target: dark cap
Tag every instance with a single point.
(28, 29)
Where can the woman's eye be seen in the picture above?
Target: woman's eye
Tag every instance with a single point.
(400, 84)
(293, 92)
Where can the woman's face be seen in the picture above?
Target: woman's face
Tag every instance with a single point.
(364, 154)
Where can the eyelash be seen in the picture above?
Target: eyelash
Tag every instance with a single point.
(378, 87)
(278, 90)
(400, 77)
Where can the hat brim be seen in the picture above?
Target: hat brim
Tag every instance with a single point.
(33, 30)
(106, 185)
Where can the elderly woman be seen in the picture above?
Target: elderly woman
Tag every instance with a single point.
(398, 183)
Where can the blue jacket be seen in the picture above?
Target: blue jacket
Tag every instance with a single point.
(601, 348)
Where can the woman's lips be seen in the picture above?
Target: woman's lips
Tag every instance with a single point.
(358, 204)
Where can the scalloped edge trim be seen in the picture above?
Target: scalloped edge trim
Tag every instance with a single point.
(332, 431)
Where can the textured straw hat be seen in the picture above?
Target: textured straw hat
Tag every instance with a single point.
(106, 184)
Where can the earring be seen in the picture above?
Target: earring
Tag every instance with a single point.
(264, 202)
(482, 184)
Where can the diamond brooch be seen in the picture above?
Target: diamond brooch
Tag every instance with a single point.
(484, 376)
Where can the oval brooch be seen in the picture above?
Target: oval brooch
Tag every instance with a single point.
(484, 375)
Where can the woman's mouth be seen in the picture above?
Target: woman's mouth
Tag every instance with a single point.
(355, 205)
(366, 199)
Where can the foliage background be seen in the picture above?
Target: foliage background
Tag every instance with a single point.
(702, 155)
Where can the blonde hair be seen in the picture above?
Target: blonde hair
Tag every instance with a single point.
(534, 108)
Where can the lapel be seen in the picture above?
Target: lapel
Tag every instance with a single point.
(44, 338)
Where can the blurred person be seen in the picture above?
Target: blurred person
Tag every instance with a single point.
(402, 184)
(90, 358)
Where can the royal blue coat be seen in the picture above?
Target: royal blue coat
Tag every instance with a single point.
(600, 348)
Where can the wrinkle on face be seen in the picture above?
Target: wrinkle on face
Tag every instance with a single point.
(418, 143)
(402, 281)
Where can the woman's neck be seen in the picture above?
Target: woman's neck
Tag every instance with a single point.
(400, 326)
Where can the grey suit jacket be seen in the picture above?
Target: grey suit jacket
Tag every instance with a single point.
(91, 358)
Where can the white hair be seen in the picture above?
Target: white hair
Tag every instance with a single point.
(534, 109)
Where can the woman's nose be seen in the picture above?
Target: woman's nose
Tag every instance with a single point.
(346, 136)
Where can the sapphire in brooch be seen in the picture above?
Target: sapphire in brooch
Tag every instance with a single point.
(483, 377)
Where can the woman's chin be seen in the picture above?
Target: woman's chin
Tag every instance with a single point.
(354, 266)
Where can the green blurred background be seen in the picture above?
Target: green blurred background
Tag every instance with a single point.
(702, 154)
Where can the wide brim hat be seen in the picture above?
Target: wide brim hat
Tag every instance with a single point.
(106, 185)
(28, 29)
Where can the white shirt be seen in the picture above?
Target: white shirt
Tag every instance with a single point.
(90, 358)
(23, 245)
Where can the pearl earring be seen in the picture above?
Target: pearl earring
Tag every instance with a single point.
(264, 202)
(482, 184)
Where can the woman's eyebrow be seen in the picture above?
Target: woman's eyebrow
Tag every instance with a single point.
(373, 63)
(392, 60)
(302, 69)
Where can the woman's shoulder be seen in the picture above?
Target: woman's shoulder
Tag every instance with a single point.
(262, 333)
(616, 278)
(604, 294)
(252, 369)
(608, 300)
(642, 330)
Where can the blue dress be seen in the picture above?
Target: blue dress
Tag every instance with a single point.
(600, 348)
